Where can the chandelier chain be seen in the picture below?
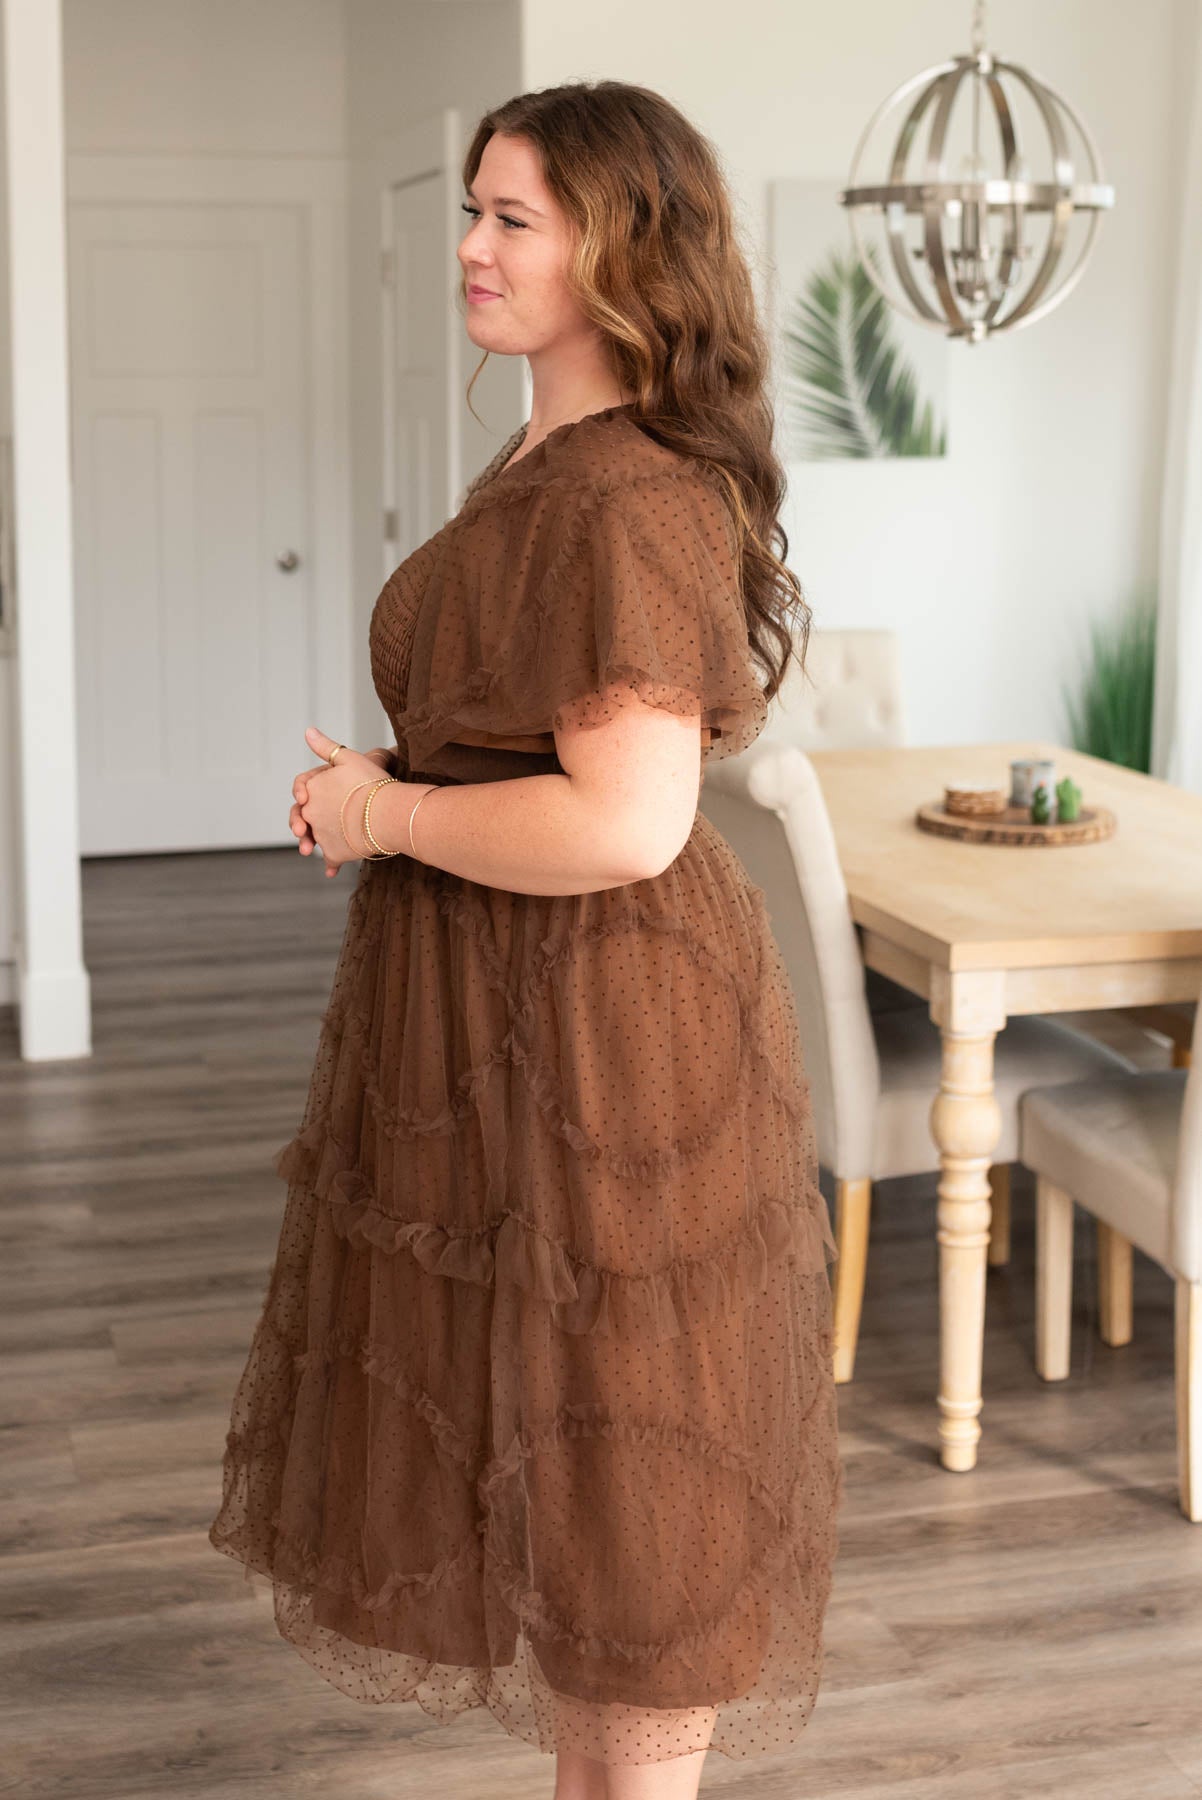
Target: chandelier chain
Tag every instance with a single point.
(978, 27)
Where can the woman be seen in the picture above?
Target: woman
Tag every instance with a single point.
(539, 1414)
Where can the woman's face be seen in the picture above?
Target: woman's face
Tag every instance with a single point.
(516, 247)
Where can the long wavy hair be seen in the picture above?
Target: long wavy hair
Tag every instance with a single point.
(655, 265)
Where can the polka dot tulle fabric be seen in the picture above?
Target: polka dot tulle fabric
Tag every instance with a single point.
(539, 1412)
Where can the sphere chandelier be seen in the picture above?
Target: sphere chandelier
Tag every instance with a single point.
(970, 274)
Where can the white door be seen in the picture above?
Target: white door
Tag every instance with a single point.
(192, 511)
(420, 273)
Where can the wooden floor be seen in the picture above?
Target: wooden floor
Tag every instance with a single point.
(1032, 1628)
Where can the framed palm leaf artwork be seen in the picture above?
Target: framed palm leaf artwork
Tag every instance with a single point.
(854, 378)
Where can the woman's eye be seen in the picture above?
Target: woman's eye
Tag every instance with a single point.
(474, 211)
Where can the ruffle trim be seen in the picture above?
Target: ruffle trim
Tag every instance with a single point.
(525, 690)
(670, 686)
(477, 702)
(458, 899)
(460, 902)
(583, 1297)
(800, 1536)
(347, 1021)
(546, 1092)
(539, 1619)
(592, 1419)
(488, 491)
(387, 1367)
(337, 1574)
(516, 1051)
(582, 1419)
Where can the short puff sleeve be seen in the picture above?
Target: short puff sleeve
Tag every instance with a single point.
(614, 586)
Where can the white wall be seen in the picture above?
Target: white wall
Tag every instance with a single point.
(196, 75)
(185, 76)
(406, 63)
(1046, 507)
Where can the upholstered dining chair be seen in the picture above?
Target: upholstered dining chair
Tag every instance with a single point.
(1128, 1149)
(850, 696)
(1174, 1021)
(873, 1076)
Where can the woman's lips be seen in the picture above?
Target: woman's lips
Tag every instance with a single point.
(479, 293)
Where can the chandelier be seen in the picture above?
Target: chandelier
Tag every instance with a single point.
(970, 273)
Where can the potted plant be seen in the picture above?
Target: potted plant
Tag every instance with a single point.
(1110, 715)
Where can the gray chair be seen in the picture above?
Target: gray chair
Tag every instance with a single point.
(873, 1077)
(850, 697)
(1127, 1148)
(1174, 1021)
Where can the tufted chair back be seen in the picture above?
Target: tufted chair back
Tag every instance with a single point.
(851, 699)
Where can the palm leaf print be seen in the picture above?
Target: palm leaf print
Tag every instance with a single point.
(847, 380)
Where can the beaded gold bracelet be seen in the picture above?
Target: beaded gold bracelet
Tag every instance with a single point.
(380, 852)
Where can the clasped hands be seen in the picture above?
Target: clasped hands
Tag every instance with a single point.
(318, 795)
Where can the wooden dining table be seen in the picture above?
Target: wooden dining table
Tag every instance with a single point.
(987, 931)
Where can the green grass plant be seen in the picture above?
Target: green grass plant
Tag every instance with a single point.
(1110, 713)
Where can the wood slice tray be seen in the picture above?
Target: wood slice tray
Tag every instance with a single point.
(1014, 826)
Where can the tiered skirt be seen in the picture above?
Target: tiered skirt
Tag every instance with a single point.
(539, 1412)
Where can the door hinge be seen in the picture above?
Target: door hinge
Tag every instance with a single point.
(391, 524)
(387, 268)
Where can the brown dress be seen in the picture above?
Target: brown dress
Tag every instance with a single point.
(539, 1413)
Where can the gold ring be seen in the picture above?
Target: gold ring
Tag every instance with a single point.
(334, 752)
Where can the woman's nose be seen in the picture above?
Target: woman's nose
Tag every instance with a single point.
(472, 252)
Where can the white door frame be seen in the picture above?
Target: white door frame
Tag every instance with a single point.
(318, 187)
(428, 146)
(52, 984)
(52, 987)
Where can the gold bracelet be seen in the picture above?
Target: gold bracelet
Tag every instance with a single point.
(387, 781)
(417, 803)
(342, 812)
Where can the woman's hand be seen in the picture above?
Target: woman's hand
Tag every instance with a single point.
(386, 760)
(318, 794)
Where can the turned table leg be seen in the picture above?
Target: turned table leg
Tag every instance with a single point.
(969, 1009)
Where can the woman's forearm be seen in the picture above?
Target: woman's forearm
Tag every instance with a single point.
(534, 835)
(385, 755)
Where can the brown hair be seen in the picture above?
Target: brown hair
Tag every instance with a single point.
(655, 264)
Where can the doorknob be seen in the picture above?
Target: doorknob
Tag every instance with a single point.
(288, 561)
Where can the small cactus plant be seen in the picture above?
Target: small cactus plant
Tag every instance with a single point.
(1068, 799)
(1041, 804)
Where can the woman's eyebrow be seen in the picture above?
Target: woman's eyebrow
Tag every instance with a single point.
(502, 201)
